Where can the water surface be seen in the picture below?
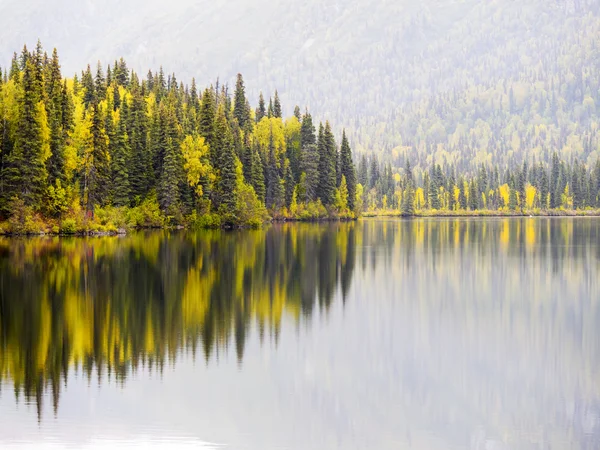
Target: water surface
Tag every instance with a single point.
(387, 334)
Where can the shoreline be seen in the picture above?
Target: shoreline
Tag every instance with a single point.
(556, 213)
(486, 213)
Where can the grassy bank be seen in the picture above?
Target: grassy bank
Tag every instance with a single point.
(489, 213)
(148, 215)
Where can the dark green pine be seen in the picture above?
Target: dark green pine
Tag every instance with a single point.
(227, 182)
(261, 110)
(277, 106)
(120, 168)
(327, 164)
(347, 170)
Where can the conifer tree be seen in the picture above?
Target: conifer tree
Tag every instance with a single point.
(275, 194)
(119, 163)
(348, 171)
(207, 123)
(168, 188)
(277, 106)
(257, 176)
(99, 171)
(239, 106)
(261, 110)
(227, 161)
(54, 111)
(289, 184)
(25, 174)
(327, 162)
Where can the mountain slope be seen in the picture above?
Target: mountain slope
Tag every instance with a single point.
(431, 78)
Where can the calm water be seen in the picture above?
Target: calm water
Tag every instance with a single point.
(380, 334)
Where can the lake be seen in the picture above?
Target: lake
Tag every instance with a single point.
(378, 334)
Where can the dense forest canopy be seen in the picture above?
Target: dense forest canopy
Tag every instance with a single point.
(443, 81)
(110, 138)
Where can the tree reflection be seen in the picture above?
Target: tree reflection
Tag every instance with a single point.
(114, 304)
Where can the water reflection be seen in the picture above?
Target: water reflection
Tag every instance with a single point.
(480, 334)
(117, 303)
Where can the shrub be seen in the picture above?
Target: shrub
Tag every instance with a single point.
(68, 226)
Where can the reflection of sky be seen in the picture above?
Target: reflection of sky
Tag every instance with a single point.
(479, 346)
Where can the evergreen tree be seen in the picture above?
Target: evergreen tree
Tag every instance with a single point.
(277, 106)
(363, 171)
(258, 178)
(207, 123)
(275, 196)
(261, 110)
(98, 173)
(555, 188)
(120, 171)
(239, 107)
(347, 170)
(408, 198)
(227, 181)
(24, 173)
(289, 184)
(327, 162)
(168, 188)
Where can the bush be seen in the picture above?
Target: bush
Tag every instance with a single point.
(68, 226)
(146, 215)
(208, 221)
(24, 220)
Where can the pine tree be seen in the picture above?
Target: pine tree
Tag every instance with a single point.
(261, 110)
(289, 184)
(100, 84)
(207, 123)
(168, 188)
(119, 163)
(54, 111)
(363, 171)
(87, 82)
(275, 197)
(227, 161)
(348, 171)
(327, 163)
(408, 198)
(257, 176)
(25, 174)
(555, 188)
(99, 171)
(239, 106)
(277, 106)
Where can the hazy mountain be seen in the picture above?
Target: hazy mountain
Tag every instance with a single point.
(395, 73)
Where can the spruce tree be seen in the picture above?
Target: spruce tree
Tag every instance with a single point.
(327, 162)
(120, 170)
(348, 171)
(275, 194)
(289, 184)
(227, 181)
(25, 174)
(277, 106)
(206, 123)
(261, 110)
(54, 111)
(257, 176)
(239, 106)
(99, 171)
(168, 188)
(555, 188)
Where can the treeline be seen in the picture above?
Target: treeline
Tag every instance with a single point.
(105, 143)
(535, 188)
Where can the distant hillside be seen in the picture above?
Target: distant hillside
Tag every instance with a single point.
(461, 82)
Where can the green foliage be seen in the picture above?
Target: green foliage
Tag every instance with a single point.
(116, 151)
(68, 226)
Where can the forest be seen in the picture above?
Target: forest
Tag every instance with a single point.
(106, 150)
